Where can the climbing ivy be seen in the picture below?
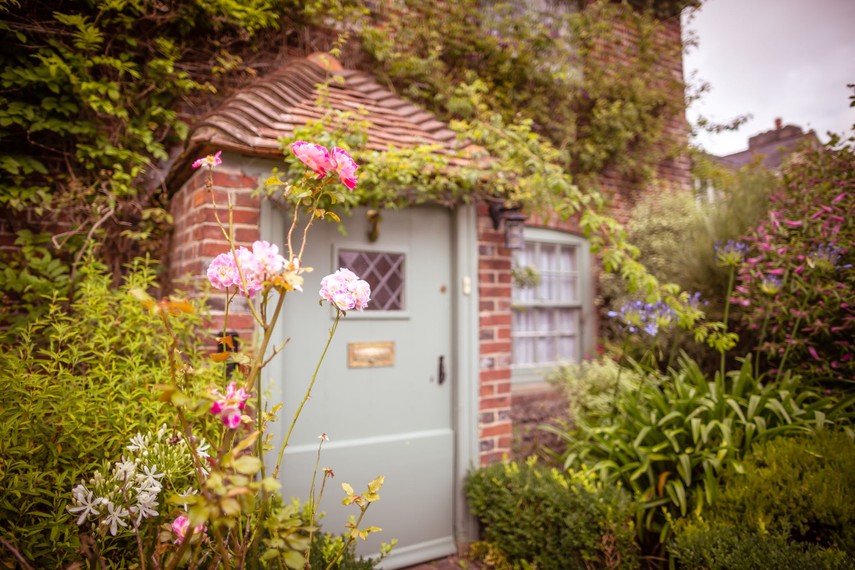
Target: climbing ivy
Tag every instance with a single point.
(94, 94)
(90, 100)
(594, 82)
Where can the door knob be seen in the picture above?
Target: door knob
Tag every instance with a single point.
(441, 374)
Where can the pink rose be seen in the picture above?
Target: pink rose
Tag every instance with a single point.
(180, 526)
(230, 405)
(314, 156)
(268, 258)
(345, 290)
(345, 167)
(222, 272)
(210, 161)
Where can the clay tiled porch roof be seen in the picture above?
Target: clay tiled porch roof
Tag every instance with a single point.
(252, 120)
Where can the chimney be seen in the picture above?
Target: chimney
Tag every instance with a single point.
(778, 123)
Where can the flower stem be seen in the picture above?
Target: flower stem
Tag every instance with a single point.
(307, 394)
(350, 537)
(792, 338)
(727, 311)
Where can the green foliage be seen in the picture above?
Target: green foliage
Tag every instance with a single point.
(554, 68)
(792, 506)
(671, 440)
(799, 487)
(394, 178)
(703, 546)
(89, 101)
(797, 284)
(675, 233)
(29, 276)
(326, 547)
(591, 386)
(535, 517)
(75, 385)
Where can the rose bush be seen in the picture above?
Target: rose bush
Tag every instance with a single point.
(187, 502)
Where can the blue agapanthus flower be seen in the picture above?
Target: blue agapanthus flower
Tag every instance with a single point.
(647, 317)
(731, 253)
(826, 256)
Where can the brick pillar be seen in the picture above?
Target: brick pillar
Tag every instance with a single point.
(197, 238)
(494, 316)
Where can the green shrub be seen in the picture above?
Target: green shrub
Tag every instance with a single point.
(671, 440)
(590, 388)
(702, 546)
(537, 517)
(75, 386)
(801, 487)
(29, 274)
(325, 548)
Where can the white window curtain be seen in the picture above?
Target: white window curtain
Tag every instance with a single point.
(550, 302)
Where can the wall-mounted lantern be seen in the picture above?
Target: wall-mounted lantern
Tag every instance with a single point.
(513, 220)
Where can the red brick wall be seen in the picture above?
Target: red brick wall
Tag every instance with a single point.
(674, 170)
(197, 237)
(494, 325)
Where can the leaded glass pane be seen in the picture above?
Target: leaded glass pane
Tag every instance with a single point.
(383, 271)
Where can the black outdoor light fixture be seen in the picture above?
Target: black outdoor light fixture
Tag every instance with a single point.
(514, 221)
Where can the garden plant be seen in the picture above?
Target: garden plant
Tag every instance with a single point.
(731, 461)
(197, 484)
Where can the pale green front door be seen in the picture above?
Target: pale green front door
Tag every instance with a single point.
(384, 391)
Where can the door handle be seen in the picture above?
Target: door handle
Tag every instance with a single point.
(441, 374)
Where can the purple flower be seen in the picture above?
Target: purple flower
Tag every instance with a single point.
(826, 256)
(345, 290)
(770, 285)
(731, 253)
(648, 317)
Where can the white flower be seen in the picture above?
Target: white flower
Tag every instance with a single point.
(124, 470)
(79, 492)
(189, 492)
(86, 502)
(148, 479)
(145, 507)
(115, 516)
(138, 443)
(202, 449)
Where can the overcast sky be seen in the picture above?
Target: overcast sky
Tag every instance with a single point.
(773, 58)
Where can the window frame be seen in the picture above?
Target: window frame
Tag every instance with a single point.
(522, 375)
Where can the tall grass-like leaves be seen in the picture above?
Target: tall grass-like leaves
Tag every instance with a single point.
(670, 441)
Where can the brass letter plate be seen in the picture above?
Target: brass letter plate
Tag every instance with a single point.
(370, 354)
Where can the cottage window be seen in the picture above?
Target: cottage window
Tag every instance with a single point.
(551, 303)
